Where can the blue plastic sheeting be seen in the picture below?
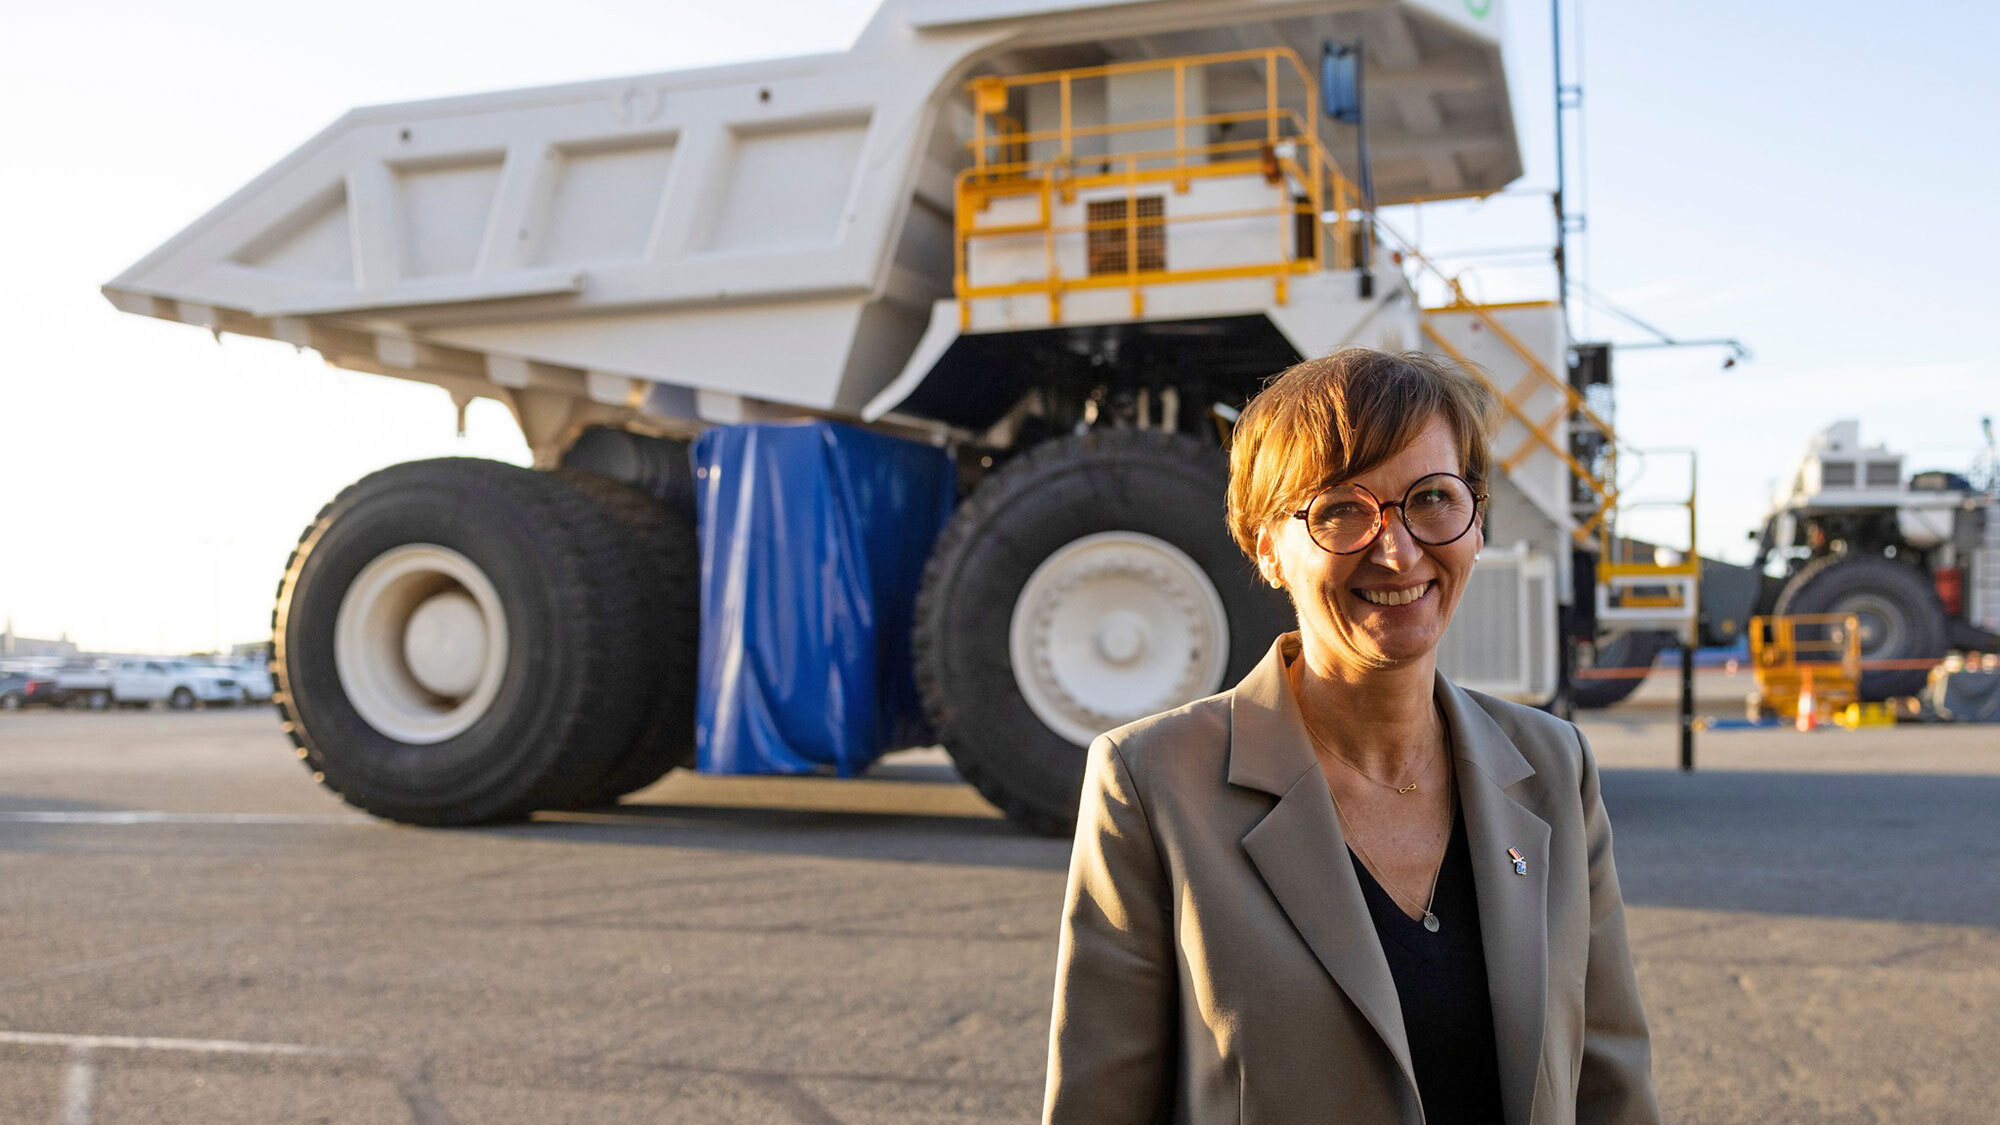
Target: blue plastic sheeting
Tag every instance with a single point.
(813, 542)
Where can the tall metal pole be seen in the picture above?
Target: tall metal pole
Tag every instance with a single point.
(1694, 618)
(1687, 700)
(1562, 166)
(1566, 658)
(1367, 283)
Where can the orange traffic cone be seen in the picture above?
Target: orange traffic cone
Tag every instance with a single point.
(1808, 706)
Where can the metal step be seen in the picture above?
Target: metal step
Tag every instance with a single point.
(1627, 596)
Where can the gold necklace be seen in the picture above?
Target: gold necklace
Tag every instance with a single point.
(1430, 920)
(1415, 776)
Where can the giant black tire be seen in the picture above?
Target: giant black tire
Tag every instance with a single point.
(659, 467)
(1166, 486)
(1900, 615)
(1627, 650)
(566, 698)
(664, 556)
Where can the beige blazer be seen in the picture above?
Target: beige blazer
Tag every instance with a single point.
(1218, 962)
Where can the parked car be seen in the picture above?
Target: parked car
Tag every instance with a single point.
(254, 680)
(19, 689)
(140, 681)
(209, 684)
(84, 682)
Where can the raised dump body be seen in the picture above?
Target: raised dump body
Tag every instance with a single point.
(1064, 241)
(704, 245)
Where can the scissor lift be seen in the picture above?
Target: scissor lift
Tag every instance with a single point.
(1808, 656)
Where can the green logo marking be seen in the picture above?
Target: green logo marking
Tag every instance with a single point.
(1479, 8)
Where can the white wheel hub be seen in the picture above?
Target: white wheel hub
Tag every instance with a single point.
(1113, 627)
(445, 644)
(420, 643)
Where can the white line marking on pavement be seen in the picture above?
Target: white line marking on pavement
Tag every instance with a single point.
(79, 1084)
(149, 1043)
(136, 816)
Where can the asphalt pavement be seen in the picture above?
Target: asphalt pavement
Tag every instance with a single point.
(193, 932)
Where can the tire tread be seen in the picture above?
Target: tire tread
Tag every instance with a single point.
(663, 559)
(1012, 483)
(591, 589)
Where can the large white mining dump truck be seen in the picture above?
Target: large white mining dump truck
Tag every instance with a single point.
(877, 398)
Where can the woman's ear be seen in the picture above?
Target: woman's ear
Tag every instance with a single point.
(1267, 558)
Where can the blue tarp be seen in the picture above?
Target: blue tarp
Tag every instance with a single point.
(813, 542)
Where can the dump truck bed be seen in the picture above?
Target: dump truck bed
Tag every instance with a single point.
(699, 245)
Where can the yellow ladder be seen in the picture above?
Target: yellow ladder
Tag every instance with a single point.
(1549, 432)
(1631, 593)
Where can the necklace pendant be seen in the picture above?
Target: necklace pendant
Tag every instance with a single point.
(1430, 921)
(1410, 788)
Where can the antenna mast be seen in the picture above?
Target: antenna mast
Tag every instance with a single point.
(1568, 98)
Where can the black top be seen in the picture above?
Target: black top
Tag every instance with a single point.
(1441, 982)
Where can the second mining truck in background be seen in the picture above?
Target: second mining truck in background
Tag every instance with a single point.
(1010, 267)
(1914, 556)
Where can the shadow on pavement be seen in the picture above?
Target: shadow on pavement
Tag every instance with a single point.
(1890, 847)
(839, 834)
(15, 803)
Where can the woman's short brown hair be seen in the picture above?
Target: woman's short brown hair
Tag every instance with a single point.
(1328, 420)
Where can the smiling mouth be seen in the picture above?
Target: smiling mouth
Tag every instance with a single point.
(1397, 597)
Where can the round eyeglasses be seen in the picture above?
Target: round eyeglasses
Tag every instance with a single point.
(1346, 518)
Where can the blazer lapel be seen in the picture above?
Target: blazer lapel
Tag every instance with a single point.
(1513, 908)
(1299, 851)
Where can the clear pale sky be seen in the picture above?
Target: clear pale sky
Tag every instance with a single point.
(1811, 177)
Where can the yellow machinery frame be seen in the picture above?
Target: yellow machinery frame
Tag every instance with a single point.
(1784, 661)
(1290, 148)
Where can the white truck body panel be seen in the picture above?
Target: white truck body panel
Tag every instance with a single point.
(1503, 640)
(1984, 589)
(774, 232)
(1541, 477)
(1201, 245)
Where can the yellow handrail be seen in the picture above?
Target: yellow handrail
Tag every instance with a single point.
(1289, 150)
(1605, 486)
(1106, 70)
(1690, 565)
(1540, 432)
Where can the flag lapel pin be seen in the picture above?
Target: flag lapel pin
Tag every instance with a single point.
(1520, 861)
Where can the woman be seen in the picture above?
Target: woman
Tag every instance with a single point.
(1348, 890)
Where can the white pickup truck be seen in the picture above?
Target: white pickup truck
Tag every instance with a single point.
(140, 681)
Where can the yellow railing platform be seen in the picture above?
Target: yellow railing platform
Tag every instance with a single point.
(1052, 158)
(1285, 148)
